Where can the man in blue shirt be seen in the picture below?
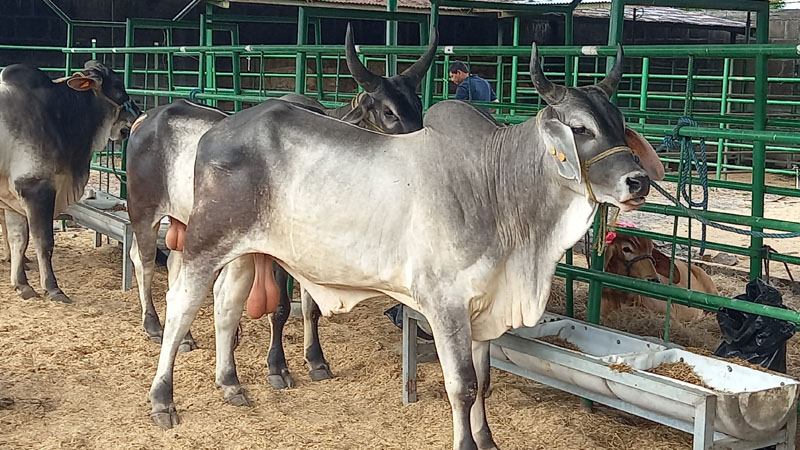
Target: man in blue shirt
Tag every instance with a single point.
(470, 86)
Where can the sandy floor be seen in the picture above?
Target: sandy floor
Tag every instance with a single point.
(79, 375)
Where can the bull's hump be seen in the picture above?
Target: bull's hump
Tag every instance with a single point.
(24, 76)
(450, 116)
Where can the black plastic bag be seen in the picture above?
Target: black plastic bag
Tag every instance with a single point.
(395, 314)
(754, 338)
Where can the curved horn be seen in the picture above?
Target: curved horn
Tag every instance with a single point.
(366, 79)
(551, 93)
(420, 67)
(610, 82)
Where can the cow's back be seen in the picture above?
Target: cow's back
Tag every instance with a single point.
(161, 154)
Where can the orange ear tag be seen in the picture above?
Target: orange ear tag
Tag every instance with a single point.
(86, 84)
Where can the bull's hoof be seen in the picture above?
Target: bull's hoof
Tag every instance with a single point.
(26, 292)
(238, 398)
(281, 381)
(59, 297)
(155, 337)
(187, 344)
(166, 419)
(320, 374)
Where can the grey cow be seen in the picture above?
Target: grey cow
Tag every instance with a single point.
(161, 154)
(463, 220)
(48, 132)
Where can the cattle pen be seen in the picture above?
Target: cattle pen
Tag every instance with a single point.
(724, 116)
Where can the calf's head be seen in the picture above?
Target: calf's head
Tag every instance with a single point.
(636, 257)
(391, 104)
(588, 140)
(108, 86)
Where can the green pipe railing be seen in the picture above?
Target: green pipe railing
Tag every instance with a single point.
(718, 125)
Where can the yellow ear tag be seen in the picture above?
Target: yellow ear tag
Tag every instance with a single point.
(552, 150)
(86, 84)
(562, 157)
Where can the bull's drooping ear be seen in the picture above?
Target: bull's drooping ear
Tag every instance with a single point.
(80, 82)
(648, 158)
(359, 113)
(663, 264)
(561, 147)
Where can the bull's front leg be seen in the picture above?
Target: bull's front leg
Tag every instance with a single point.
(230, 293)
(17, 235)
(174, 263)
(143, 255)
(7, 245)
(39, 198)
(480, 427)
(318, 367)
(452, 335)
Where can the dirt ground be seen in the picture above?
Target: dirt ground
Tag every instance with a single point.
(79, 376)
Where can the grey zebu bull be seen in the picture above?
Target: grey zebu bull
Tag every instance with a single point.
(48, 131)
(463, 220)
(160, 173)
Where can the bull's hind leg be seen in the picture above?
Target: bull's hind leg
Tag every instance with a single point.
(184, 299)
(279, 376)
(174, 263)
(230, 293)
(39, 198)
(143, 255)
(18, 241)
(318, 367)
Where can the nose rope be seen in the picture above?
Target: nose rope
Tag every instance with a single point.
(595, 159)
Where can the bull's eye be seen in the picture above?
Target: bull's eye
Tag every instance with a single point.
(388, 112)
(627, 249)
(580, 131)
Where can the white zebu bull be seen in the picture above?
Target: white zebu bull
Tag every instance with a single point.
(48, 132)
(463, 220)
(160, 175)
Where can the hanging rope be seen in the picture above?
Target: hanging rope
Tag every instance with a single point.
(689, 157)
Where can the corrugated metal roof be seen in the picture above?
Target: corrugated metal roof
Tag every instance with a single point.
(658, 14)
(597, 10)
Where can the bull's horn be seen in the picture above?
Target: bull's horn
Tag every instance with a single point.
(610, 82)
(421, 66)
(551, 93)
(366, 79)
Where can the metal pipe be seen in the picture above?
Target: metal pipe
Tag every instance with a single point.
(515, 63)
(761, 91)
(300, 63)
(186, 9)
(391, 38)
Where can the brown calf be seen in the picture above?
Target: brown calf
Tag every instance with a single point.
(636, 257)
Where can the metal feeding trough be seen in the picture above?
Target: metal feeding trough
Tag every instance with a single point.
(743, 408)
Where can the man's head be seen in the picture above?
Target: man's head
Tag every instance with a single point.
(458, 72)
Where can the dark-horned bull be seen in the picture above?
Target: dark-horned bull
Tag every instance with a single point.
(161, 155)
(48, 132)
(464, 220)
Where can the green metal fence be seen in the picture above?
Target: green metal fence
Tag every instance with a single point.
(745, 115)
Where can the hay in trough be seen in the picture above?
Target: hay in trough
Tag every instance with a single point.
(680, 371)
(560, 342)
(737, 361)
(621, 368)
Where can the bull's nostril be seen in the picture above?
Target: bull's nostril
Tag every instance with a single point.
(654, 280)
(638, 186)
